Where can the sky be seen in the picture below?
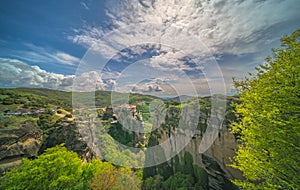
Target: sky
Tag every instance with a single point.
(163, 48)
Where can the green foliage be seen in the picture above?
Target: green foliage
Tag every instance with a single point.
(137, 98)
(6, 121)
(269, 121)
(144, 110)
(120, 135)
(179, 181)
(185, 175)
(187, 164)
(111, 151)
(57, 168)
(61, 98)
(13, 99)
(15, 121)
(154, 183)
(103, 175)
(46, 121)
(164, 170)
(201, 178)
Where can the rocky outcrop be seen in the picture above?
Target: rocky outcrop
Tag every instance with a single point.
(215, 160)
(17, 143)
(28, 141)
(66, 132)
(221, 148)
(218, 177)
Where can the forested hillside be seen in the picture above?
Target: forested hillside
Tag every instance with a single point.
(42, 119)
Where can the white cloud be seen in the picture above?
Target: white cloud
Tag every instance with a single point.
(109, 85)
(233, 27)
(66, 58)
(172, 60)
(15, 73)
(150, 86)
(37, 54)
(88, 81)
(193, 28)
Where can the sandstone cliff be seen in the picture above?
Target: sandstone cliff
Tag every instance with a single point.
(217, 158)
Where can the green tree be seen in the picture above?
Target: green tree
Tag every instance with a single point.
(128, 180)
(179, 181)
(57, 168)
(187, 164)
(154, 183)
(269, 121)
(105, 176)
(201, 178)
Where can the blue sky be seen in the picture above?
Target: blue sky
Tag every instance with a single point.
(196, 42)
(42, 27)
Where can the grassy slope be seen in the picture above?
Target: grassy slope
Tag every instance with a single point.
(102, 98)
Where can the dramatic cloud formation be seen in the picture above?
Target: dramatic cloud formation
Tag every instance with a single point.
(199, 30)
(15, 73)
(233, 27)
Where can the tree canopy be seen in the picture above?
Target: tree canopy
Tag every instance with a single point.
(268, 123)
(59, 168)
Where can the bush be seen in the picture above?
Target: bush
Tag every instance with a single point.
(57, 168)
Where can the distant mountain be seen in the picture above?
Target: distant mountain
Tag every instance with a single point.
(43, 96)
(178, 98)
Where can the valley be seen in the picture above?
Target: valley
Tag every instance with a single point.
(33, 120)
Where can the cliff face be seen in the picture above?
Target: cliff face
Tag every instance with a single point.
(17, 143)
(222, 150)
(28, 141)
(216, 159)
(66, 132)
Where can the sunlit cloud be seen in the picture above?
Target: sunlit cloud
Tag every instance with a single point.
(233, 27)
(194, 29)
(16, 73)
